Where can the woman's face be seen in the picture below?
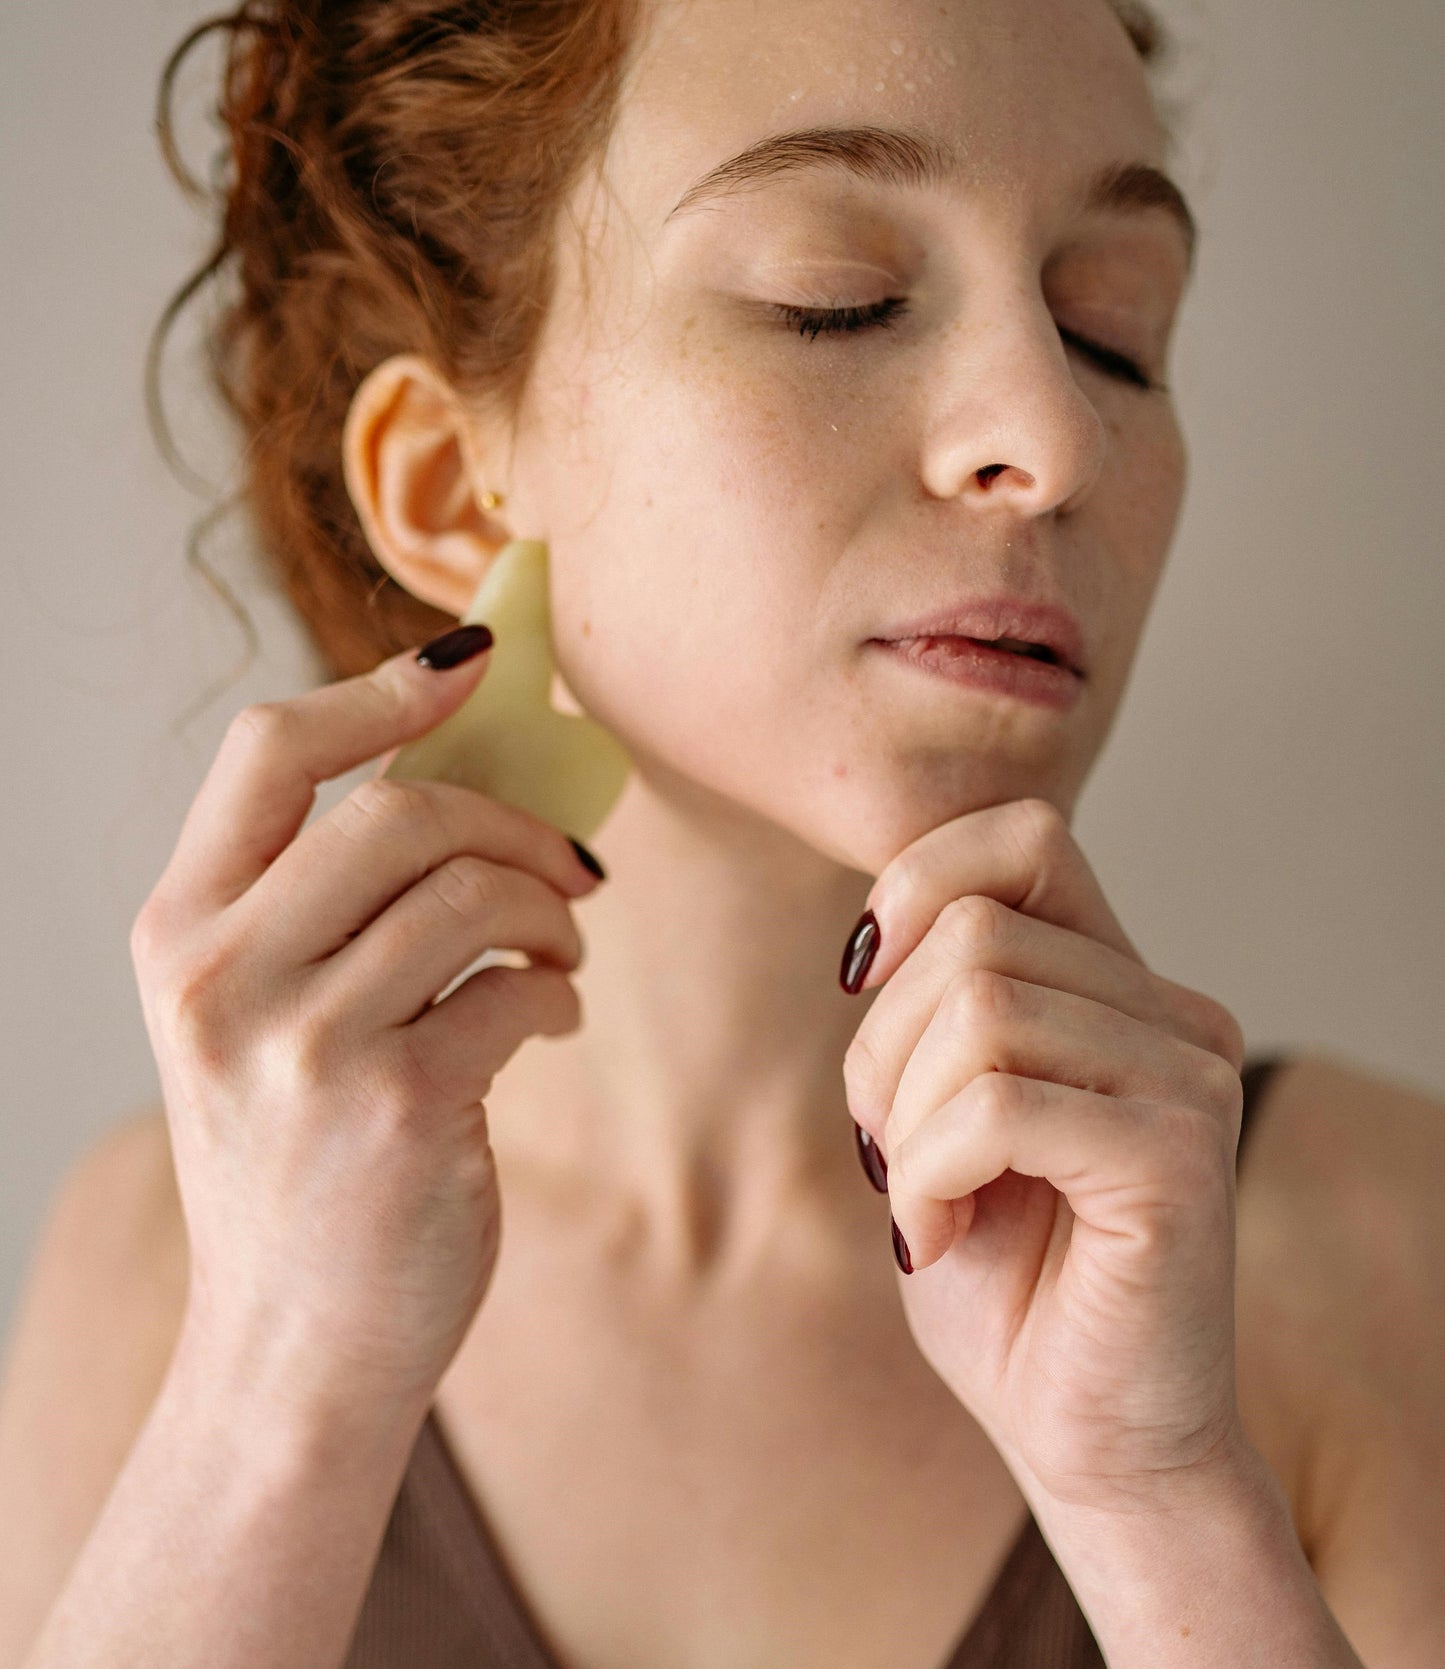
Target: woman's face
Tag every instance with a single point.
(735, 508)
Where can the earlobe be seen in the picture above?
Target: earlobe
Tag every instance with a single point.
(405, 455)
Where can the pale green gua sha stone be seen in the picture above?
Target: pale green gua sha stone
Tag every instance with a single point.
(506, 739)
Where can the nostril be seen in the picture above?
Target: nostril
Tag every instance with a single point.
(987, 473)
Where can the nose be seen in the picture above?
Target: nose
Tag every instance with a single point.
(1010, 425)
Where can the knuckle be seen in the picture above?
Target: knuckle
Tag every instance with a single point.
(466, 885)
(1040, 831)
(264, 726)
(408, 1087)
(902, 1156)
(1222, 1081)
(308, 1046)
(150, 932)
(1042, 820)
(556, 1001)
(974, 924)
(1223, 1031)
(194, 1008)
(981, 994)
(861, 1073)
(997, 1097)
(383, 806)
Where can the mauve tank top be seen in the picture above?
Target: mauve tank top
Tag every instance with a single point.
(441, 1596)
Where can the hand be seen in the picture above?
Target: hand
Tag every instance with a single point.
(1059, 1126)
(325, 1112)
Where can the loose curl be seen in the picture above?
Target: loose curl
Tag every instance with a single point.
(392, 178)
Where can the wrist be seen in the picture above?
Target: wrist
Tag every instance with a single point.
(257, 1397)
(1212, 1573)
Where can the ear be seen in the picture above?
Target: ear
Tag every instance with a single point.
(409, 452)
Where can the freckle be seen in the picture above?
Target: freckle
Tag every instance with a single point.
(586, 628)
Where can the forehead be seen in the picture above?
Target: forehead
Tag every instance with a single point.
(1028, 94)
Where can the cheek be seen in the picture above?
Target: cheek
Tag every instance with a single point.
(1144, 490)
(764, 440)
(683, 555)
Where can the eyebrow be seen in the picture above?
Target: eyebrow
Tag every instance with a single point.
(893, 156)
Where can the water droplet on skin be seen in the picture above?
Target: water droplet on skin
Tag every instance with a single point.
(896, 48)
(879, 86)
(910, 86)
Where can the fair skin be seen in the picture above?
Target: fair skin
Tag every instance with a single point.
(707, 1420)
(732, 510)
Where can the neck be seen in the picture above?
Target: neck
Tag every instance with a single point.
(703, 1095)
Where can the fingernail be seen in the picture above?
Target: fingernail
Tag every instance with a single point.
(875, 1166)
(588, 860)
(900, 1251)
(859, 952)
(453, 647)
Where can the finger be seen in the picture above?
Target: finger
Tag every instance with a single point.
(987, 1022)
(457, 1046)
(1129, 1170)
(372, 849)
(978, 932)
(395, 967)
(1021, 853)
(262, 783)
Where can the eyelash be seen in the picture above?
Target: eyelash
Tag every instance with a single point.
(884, 314)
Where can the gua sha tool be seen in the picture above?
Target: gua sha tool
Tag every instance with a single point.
(506, 739)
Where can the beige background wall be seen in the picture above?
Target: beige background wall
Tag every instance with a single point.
(1267, 818)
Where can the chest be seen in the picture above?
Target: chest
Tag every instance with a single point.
(770, 1489)
(762, 1484)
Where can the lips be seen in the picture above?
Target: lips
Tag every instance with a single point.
(1042, 631)
(1035, 651)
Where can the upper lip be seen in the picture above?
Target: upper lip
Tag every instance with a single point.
(989, 618)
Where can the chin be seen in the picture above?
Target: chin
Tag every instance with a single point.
(866, 831)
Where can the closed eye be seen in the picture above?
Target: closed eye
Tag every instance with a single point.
(1110, 361)
(818, 321)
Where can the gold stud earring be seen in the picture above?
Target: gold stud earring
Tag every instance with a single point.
(491, 500)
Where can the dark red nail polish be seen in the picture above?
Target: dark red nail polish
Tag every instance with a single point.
(859, 952)
(587, 859)
(900, 1251)
(454, 647)
(875, 1166)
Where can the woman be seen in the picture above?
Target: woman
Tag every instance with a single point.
(814, 344)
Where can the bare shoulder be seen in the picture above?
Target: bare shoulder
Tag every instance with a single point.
(1342, 1339)
(94, 1327)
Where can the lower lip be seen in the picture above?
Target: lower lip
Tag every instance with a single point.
(961, 661)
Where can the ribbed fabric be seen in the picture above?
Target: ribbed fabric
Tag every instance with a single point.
(441, 1597)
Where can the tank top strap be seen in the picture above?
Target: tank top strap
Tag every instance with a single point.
(1256, 1076)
